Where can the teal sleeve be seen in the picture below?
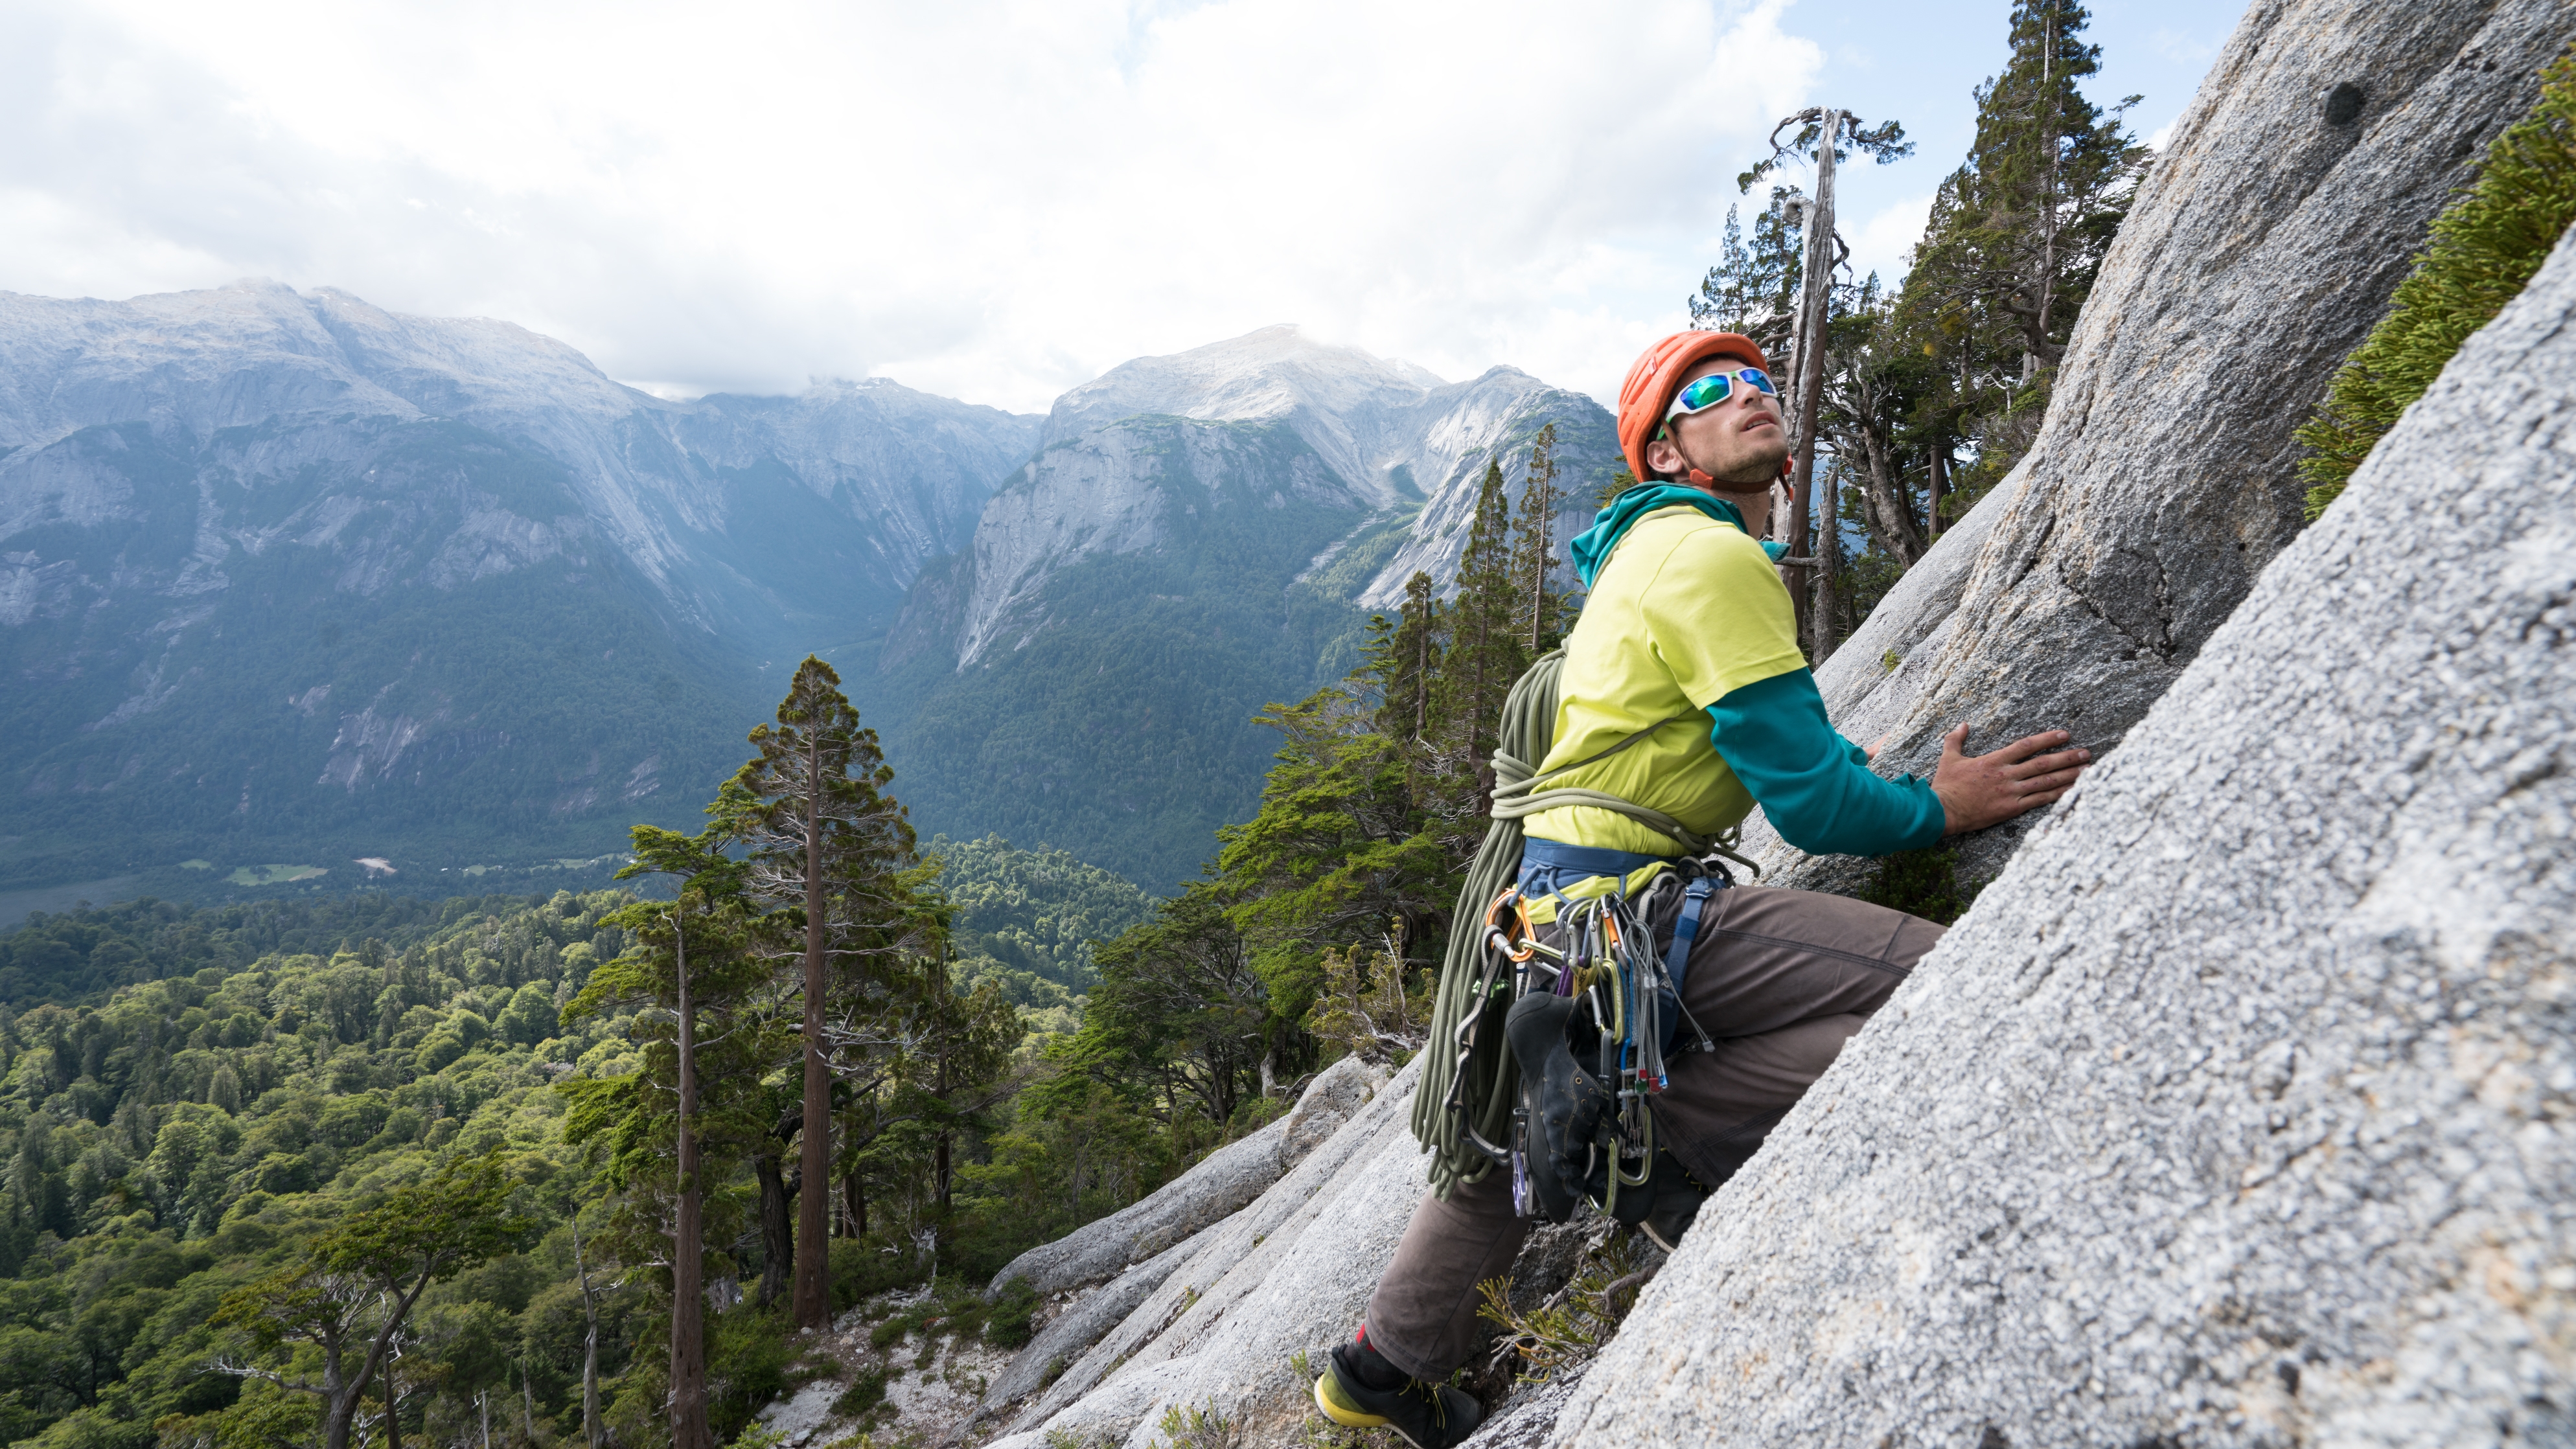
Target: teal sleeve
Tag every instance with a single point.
(1815, 786)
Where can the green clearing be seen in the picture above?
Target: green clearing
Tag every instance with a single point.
(260, 875)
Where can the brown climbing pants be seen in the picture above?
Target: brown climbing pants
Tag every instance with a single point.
(1781, 978)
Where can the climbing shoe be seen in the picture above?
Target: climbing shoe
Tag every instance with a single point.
(1429, 1416)
(1561, 1107)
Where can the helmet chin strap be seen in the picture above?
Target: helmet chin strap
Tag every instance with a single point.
(1699, 479)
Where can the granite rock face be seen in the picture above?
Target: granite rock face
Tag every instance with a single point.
(2242, 1108)
(1226, 1180)
(1275, 1285)
(2262, 246)
(1198, 535)
(1393, 452)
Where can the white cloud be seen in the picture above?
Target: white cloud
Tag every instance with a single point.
(2186, 47)
(1880, 244)
(992, 201)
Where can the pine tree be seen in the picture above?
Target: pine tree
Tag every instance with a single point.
(660, 975)
(1534, 552)
(1753, 289)
(1870, 395)
(825, 839)
(2018, 232)
(1485, 653)
(1402, 662)
(1826, 137)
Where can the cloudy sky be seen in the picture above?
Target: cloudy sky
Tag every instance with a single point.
(992, 201)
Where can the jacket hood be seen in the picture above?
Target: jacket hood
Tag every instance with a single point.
(1591, 548)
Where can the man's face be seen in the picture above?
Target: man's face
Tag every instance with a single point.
(1739, 441)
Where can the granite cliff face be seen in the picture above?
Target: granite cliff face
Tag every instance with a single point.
(2237, 1111)
(285, 575)
(2263, 245)
(1198, 535)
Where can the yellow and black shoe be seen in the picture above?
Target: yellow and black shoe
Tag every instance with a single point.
(1430, 1416)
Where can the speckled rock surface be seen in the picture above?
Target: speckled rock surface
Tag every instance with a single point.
(1073, 1331)
(1286, 1276)
(1229, 1177)
(1333, 1098)
(2242, 1108)
(1528, 1417)
(1227, 1180)
(2262, 246)
(1301, 1300)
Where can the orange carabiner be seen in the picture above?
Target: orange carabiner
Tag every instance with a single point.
(1499, 939)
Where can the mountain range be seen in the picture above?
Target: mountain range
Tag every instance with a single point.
(292, 584)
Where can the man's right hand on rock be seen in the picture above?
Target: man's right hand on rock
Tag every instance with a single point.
(1981, 790)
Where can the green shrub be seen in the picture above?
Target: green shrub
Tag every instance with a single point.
(1006, 1322)
(748, 1353)
(851, 1268)
(862, 1396)
(2485, 247)
(1920, 883)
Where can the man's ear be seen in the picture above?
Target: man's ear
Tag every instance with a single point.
(1662, 457)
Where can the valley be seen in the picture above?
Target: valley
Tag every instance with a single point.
(288, 583)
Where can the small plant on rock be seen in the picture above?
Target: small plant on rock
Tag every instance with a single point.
(1199, 1428)
(1569, 1328)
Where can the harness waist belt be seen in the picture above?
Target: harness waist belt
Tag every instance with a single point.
(1560, 860)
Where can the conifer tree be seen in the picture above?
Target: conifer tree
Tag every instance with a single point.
(1754, 288)
(1826, 137)
(1403, 659)
(1870, 396)
(2018, 231)
(1485, 653)
(825, 839)
(1534, 552)
(690, 964)
(960, 1063)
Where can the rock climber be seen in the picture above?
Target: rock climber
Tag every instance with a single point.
(1687, 615)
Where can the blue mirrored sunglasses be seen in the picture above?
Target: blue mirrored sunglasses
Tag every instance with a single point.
(1709, 391)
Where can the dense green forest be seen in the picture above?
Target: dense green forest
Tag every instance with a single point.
(79, 956)
(210, 1114)
(1028, 920)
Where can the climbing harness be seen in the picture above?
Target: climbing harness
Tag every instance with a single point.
(1568, 1097)
(1591, 1025)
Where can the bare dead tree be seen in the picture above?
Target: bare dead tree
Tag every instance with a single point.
(1825, 136)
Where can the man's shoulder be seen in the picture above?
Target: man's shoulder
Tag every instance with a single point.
(1684, 537)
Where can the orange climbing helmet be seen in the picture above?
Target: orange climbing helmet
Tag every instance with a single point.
(1657, 375)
